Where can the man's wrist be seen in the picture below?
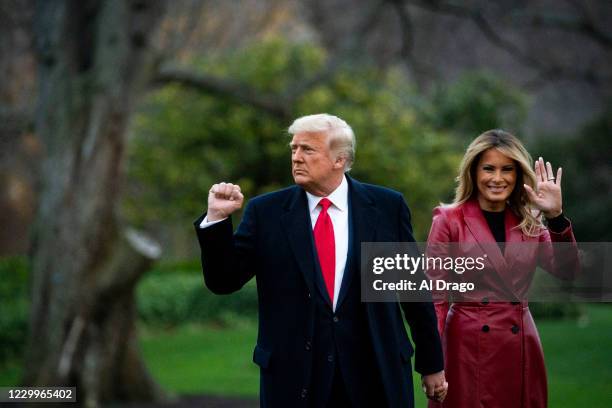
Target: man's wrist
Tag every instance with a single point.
(213, 215)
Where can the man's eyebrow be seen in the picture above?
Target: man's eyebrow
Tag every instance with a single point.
(303, 144)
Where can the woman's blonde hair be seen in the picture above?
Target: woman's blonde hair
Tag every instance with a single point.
(510, 146)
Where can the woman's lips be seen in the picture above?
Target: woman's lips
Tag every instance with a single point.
(496, 189)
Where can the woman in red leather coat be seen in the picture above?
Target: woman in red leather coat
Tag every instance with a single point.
(493, 354)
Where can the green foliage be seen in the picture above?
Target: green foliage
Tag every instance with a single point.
(272, 66)
(13, 306)
(587, 176)
(184, 141)
(170, 299)
(476, 102)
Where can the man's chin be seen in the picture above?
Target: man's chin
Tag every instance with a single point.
(300, 180)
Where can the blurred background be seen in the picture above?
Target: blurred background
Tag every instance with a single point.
(117, 116)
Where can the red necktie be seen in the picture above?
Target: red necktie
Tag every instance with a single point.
(326, 247)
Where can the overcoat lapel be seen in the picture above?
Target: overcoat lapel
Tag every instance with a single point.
(477, 224)
(296, 223)
(514, 247)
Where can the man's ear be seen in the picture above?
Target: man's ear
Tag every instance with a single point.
(339, 162)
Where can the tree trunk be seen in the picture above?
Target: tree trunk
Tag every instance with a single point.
(19, 148)
(94, 59)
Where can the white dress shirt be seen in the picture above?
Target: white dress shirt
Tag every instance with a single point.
(205, 223)
(338, 212)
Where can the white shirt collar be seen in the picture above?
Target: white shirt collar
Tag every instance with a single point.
(338, 197)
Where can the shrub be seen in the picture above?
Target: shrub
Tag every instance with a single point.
(13, 306)
(171, 299)
(555, 310)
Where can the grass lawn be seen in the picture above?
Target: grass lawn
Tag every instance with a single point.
(579, 359)
(196, 359)
(218, 361)
(213, 360)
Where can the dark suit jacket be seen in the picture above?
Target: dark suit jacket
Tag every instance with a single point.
(274, 243)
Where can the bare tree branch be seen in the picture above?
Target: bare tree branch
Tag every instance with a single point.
(556, 73)
(181, 26)
(545, 72)
(585, 25)
(224, 88)
(354, 43)
(407, 50)
(581, 26)
(279, 106)
(481, 22)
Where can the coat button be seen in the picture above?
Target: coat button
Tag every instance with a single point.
(330, 358)
(304, 393)
(485, 328)
(485, 301)
(308, 346)
(335, 319)
(515, 329)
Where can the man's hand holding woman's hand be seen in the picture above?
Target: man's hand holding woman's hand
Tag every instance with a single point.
(223, 200)
(435, 386)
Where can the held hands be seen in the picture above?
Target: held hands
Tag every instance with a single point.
(223, 200)
(435, 386)
(548, 196)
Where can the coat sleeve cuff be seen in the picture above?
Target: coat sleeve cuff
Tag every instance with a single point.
(558, 224)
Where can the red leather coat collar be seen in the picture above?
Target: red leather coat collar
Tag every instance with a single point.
(477, 225)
